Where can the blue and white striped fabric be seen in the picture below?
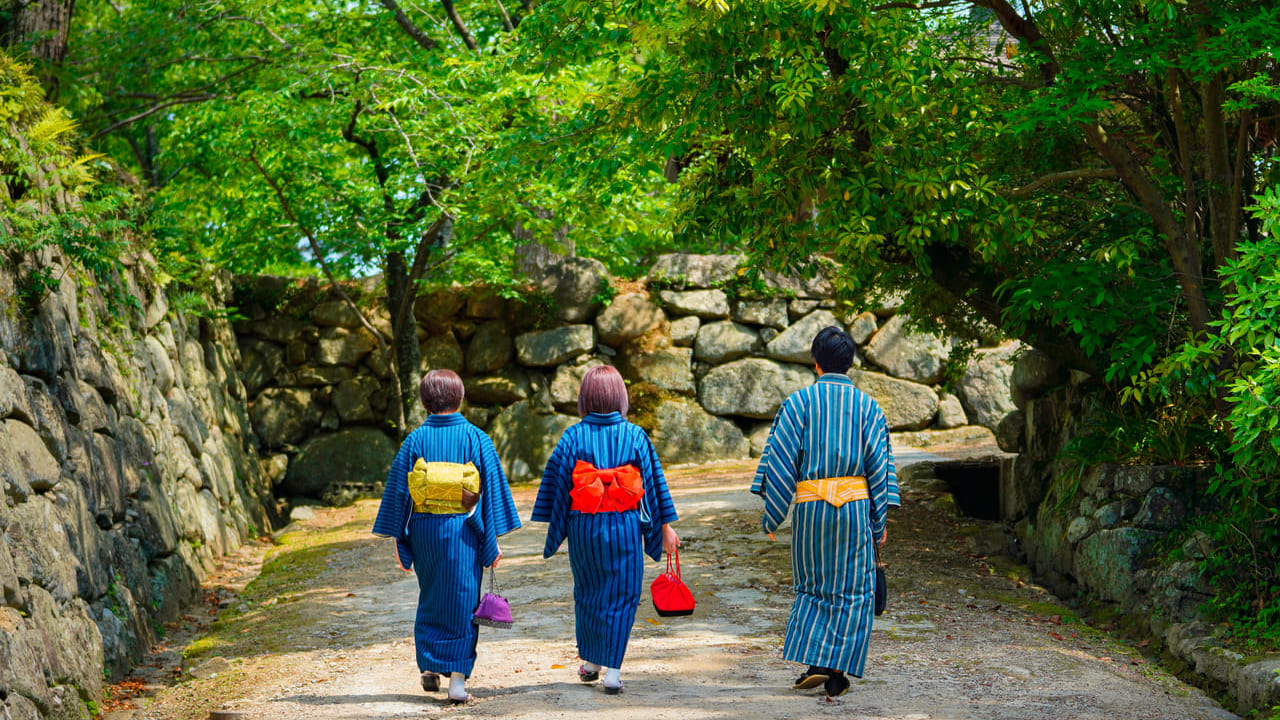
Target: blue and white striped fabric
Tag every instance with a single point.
(830, 429)
(605, 549)
(448, 552)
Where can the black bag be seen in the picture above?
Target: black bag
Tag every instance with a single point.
(882, 590)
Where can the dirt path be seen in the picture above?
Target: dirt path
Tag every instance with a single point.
(325, 633)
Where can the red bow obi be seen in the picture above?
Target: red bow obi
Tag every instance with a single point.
(611, 490)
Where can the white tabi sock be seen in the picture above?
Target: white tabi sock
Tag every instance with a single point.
(613, 677)
(590, 666)
(458, 686)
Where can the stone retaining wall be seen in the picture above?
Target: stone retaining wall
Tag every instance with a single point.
(1107, 534)
(126, 468)
(707, 366)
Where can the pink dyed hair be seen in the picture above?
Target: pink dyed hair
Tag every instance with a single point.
(441, 391)
(602, 391)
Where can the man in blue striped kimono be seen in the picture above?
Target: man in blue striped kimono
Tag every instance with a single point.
(828, 454)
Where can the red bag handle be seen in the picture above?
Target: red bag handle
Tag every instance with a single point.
(677, 559)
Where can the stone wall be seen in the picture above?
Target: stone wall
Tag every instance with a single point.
(708, 367)
(126, 468)
(1115, 535)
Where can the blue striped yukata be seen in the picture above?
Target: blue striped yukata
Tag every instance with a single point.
(830, 429)
(448, 552)
(605, 548)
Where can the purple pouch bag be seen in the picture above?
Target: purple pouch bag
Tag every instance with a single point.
(494, 610)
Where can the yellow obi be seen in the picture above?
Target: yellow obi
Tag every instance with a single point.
(442, 487)
(836, 491)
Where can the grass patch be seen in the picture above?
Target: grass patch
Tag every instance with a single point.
(285, 595)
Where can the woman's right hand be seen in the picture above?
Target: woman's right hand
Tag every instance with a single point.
(670, 540)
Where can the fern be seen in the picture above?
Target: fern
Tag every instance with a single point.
(52, 125)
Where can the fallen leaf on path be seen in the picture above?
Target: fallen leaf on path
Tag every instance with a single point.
(349, 595)
(557, 667)
(1056, 636)
(1144, 643)
(655, 622)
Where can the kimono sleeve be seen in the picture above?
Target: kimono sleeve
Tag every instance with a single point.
(657, 497)
(552, 503)
(779, 468)
(394, 511)
(497, 510)
(882, 477)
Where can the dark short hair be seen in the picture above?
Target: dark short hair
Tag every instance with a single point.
(602, 391)
(441, 391)
(833, 350)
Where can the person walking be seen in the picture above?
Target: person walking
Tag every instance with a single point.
(446, 502)
(603, 490)
(828, 455)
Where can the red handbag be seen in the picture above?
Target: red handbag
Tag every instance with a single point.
(671, 597)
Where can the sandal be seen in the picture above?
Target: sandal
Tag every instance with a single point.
(812, 678)
(430, 682)
(460, 701)
(836, 685)
(586, 675)
(611, 690)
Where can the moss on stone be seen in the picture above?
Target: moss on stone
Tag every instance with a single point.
(645, 399)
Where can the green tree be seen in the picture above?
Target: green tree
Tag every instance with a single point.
(1080, 173)
(348, 138)
(1075, 172)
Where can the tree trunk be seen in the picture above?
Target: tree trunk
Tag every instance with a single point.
(40, 28)
(404, 340)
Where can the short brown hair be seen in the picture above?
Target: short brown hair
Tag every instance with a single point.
(441, 391)
(602, 391)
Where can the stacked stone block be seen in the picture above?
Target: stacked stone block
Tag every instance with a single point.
(708, 366)
(127, 468)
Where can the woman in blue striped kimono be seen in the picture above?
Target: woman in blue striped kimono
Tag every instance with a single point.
(828, 454)
(449, 538)
(603, 490)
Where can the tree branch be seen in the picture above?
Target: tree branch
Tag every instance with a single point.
(1183, 250)
(191, 95)
(831, 55)
(409, 28)
(915, 6)
(371, 148)
(259, 23)
(151, 111)
(419, 266)
(506, 19)
(1047, 180)
(314, 243)
(1182, 136)
(458, 25)
(1026, 30)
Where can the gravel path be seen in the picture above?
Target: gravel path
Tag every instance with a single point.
(965, 636)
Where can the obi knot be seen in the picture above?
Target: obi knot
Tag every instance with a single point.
(608, 490)
(444, 488)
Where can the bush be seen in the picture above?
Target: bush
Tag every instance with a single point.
(50, 196)
(1240, 365)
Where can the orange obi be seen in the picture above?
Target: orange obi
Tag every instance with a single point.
(835, 491)
(610, 490)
